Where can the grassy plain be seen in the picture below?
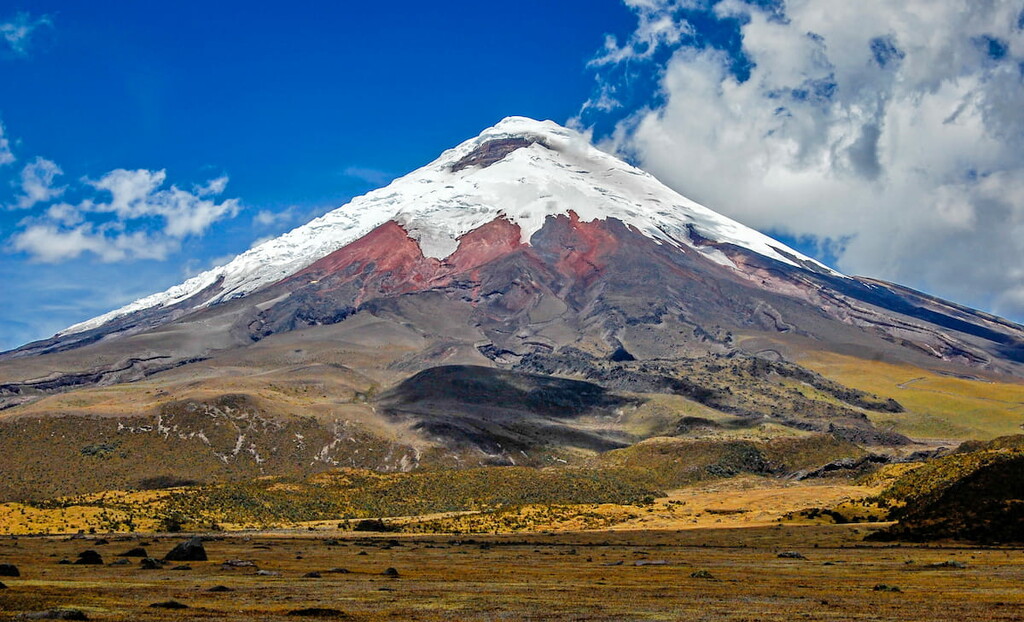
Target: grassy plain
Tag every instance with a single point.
(740, 548)
(628, 574)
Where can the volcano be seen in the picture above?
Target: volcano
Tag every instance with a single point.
(525, 297)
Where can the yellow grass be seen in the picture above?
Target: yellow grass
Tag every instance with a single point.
(938, 406)
(737, 502)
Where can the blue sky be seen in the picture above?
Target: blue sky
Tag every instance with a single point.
(300, 105)
(142, 143)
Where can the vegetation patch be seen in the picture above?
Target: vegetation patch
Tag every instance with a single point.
(976, 494)
(673, 462)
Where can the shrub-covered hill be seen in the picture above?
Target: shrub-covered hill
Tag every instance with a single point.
(674, 462)
(977, 495)
(635, 475)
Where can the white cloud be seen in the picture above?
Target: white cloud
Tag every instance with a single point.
(6, 155)
(65, 214)
(131, 218)
(37, 183)
(893, 127)
(267, 218)
(18, 31)
(212, 188)
(51, 243)
(271, 223)
(130, 191)
(658, 24)
(369, 175)
(136, 194)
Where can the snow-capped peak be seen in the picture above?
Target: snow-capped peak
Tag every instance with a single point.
(549, 170)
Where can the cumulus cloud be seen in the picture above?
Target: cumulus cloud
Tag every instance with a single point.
(49, 242)
(37, 183)
(17, 31)
(889, 132)
(131, 217)
(136, 194)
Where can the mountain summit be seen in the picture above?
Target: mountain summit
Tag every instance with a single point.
(520, 170)
(524, 297)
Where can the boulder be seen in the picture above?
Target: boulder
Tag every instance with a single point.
(150, 563)
(89, 558)
(191, 550)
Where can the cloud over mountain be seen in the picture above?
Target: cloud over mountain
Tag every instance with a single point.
(888, 132)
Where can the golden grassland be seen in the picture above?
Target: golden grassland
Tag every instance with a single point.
(706, 574)
(737, 502)
(107, 511)
(937, 406)
(745, 501)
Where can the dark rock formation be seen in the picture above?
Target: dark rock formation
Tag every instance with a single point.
(191, 550)
(492, 151)
(89, 557)
(150, 563)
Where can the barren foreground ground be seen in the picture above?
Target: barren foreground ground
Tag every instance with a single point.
(694, 574)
